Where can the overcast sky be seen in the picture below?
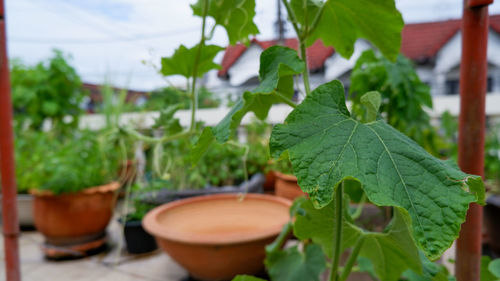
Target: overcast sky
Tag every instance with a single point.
(110, 39)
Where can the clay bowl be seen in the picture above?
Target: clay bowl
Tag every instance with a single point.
(74, 217)
(217, 237)
(286, 186)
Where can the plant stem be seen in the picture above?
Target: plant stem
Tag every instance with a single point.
(302, 45)
(148, 139)
(293, 19)
(338, 234)
(194, 100)
(352, 258)
(284, 99)
(305, 74)
(278, 243)
(359, 209)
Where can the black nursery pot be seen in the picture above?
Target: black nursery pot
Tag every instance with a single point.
(138, 241)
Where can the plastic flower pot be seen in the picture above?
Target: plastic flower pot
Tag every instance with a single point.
(217, 237)
(138, 241)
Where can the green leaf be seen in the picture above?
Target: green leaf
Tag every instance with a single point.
(247, 278)
(344, 21)
(371, 101)
(293, 265)
(167, 121)
(391, 252)
(494, 267)
(277, 66)
(183, 60)
(236, 16)
(326, 145)
(485, 273)
(305, 10)
(318, 225)
(431, 271)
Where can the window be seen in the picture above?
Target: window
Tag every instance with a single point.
(452, 87)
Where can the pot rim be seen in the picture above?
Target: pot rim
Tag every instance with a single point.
(151, 225)
(286, 177)
(109, 187)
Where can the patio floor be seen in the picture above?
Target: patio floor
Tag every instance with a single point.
(107, 266)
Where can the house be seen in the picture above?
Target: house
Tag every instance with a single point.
(434, 47)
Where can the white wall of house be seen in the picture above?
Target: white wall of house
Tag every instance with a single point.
(246, 67)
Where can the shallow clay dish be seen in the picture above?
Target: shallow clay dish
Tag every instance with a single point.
(216, 237)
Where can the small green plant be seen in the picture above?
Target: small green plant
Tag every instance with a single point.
(335, 155)
(49, 91)
(404, 96)
(63, 165)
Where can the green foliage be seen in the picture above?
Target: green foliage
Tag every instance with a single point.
(183, 60)
(326, 145)
(277, 66)
(404, 96)
(170, 96)
(294, 265)
(235, 16)
(391, 252)
(62, 165)
(342, 22)
(49, 90)
(247, 278)
(431, 272)
(490, 270)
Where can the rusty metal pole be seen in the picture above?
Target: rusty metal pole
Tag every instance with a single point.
(472, 122)
(9, 190)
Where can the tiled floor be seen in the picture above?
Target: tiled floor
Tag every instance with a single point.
(107, 266)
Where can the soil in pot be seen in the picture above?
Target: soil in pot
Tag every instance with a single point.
(217, 237)
(75, 222)
(138, 241)
(287, 187)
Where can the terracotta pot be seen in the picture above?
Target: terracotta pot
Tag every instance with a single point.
(74, 217)
(270, 181)
(287, 187)
(217, 237)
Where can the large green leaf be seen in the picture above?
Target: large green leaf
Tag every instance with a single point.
(431, 271)
(392, 252)
(344, 21)
(183, 59)
(293, 265)
(305, 11)
(277, 66)
(494, 267)
(236, 16)
(326, 145)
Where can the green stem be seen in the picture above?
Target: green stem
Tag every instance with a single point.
(305, 74)
(293, 19)
(280, 240)
(338, 235)
(359, 209)
(352, 258)
(284, 99)
(195, 68)
(310, 30)
(148, 139)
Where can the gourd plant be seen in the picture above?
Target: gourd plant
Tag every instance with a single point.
(336, 156)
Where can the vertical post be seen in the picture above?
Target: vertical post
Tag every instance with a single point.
(9, 192)
(472, 121)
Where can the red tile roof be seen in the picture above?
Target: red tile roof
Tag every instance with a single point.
(420, 42)
(317, 53)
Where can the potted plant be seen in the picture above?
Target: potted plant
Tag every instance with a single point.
(47, 91)
(75, 193)
(330, 149)
(137, 240)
